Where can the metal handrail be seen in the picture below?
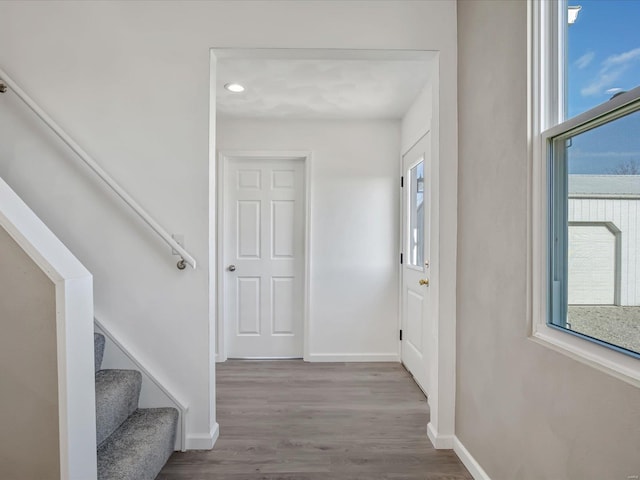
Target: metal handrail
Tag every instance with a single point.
(186, 258)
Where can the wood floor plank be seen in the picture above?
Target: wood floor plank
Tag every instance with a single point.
(290, 420)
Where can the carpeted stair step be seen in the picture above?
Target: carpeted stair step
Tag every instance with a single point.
(140, 447)
(117, 394)
(98, 349)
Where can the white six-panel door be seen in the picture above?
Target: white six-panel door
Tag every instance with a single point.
(263, 251)
(416, 206)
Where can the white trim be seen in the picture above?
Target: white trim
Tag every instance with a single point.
(439, 441)
(203, 441)
(223, 158)
(146, 371)
(264, 358)
(476, 471)
(399, 265)
(97, 169)
(212, 349)
(74, 333)
(218, 172)
(623, 367)
(442, 397)
(308, 164)
(353, 357)
(598, 115)
(542, 116)
(535, 211)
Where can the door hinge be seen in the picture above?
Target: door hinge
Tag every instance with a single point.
(400, 335)
(401, 259)
(401, 182)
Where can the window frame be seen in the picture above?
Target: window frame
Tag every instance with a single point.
(546, 105)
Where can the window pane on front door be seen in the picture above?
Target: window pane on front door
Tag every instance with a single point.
(416, 215)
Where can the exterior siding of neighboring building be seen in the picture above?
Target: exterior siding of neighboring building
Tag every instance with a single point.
(619, 211)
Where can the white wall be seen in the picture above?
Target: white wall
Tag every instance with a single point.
(354, 224)
(417, 120)
(130, 81)
(522, 410)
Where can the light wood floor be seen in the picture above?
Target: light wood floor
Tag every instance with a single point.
(290, 420)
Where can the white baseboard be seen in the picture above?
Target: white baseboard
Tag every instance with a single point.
(204, 441)
(476, 471)
(353, 357)
(439, 441)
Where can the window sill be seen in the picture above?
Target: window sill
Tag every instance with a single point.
(616, 364)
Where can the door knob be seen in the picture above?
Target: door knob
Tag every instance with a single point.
(424, 281)
(231, 268)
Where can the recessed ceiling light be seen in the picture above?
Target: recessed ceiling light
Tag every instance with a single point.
(234, 87)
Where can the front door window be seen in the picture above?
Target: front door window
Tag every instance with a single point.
(416, 215)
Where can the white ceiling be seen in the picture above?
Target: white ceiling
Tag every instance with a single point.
(323, 88)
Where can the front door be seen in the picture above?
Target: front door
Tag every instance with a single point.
(263, 235)
(415, 266)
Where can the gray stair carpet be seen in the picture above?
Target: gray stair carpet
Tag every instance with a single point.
(140, 447)
(98, 349)
(117, 393)
(133, 444)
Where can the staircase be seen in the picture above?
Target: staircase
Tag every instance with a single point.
(133, 443)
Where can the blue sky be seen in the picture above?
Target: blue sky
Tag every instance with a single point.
(604, 51)
(604, 58)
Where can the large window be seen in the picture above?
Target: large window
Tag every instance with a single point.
(588, 176)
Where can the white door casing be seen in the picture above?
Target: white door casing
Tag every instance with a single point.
(416, 300)
(263, 256)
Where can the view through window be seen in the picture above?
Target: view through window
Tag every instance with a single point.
(603, 52)
(596, 181)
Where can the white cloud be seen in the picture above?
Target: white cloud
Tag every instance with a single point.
(612, 69)
(612, 90)
(603, 80)
(584, 60)
(622, 58)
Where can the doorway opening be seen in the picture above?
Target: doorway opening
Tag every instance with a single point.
(357, 112)
(362, 115)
